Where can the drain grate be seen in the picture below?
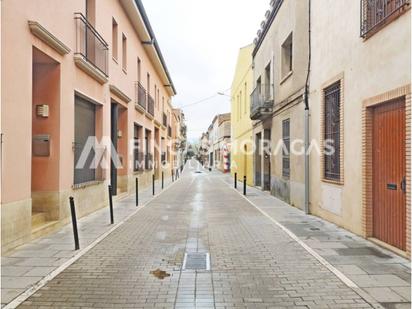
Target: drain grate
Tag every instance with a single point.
(196, 261)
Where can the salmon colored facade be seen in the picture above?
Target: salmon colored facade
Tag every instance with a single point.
(73, 69)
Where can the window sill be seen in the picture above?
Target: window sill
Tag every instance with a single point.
(115, 60)
(333, 182)
(86, 184)
(124, 71)
(286, 77)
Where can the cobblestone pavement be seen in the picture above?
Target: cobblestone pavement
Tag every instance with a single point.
(254, 264)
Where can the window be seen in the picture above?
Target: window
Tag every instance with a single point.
(240, 105)
(124, 55)
(148, 83)
(137, 151)
(155, 95)
(286, 148)
(85, 128)
(245, 98)
(114, 39)
(268, 82)
(139, 70)
(377, 13)
(91, 11)
(287, 56)
(332, 131)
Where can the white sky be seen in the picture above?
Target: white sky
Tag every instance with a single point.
(200, 41)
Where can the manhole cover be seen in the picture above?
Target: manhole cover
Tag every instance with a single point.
(196, 261)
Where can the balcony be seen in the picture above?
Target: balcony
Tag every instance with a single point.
(91, 50)
(150, 105)
(376, 13)
(261, 102)
(164, 120)
(140, 97)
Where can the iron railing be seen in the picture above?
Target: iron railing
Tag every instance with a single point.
(163, 157)
(140, 95)
(164, 119)
(374, 13)
(150, 105)
(261, 102)
(169, 131)
(90, 44)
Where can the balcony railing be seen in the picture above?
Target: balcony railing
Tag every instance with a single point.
(163, 157)
(261, 102)
(169, 131)
(375, 13)
(90, 45)
(164, 119)
(150, 105)
(140, 95)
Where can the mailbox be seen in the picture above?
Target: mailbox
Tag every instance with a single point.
(41, 145)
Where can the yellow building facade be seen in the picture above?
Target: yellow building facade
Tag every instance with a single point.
(242, 133)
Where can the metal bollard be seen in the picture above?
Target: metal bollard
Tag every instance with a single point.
(137, 191)
(235, 181)
(74, 223)
(163, 180)
(173, 176)
(111, 204)
(244, 185)
(153, 184)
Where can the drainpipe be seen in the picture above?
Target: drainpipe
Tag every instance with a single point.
(306, 123)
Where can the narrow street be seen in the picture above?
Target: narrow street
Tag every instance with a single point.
(253, 263)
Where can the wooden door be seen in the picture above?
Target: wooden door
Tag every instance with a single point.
(389, 184)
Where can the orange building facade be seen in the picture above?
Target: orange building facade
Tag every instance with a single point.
(78, 75)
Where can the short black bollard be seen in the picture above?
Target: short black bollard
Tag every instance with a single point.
(235, 181)
(137, 191)
(163, 180)
(111, 205)
(153, 184)
(74, 223)
(244, 185)
(173, 176)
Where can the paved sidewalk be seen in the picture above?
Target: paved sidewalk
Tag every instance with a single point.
(254, 263)
(383, 275)
(28, 264)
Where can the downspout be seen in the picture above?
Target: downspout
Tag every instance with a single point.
(306, 101)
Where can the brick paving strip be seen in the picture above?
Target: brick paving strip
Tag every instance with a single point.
(379, 275)
(254, 263)
(30, 266)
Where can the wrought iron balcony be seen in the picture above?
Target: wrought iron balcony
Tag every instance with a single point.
(150, 105)
(261, 102)
(90, 45)
(140, 95)
(375, 13)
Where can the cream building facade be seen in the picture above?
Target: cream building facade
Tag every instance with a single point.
(73, 70)
(280, 69)
(360, 97)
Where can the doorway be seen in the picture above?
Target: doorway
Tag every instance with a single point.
(389, 173)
